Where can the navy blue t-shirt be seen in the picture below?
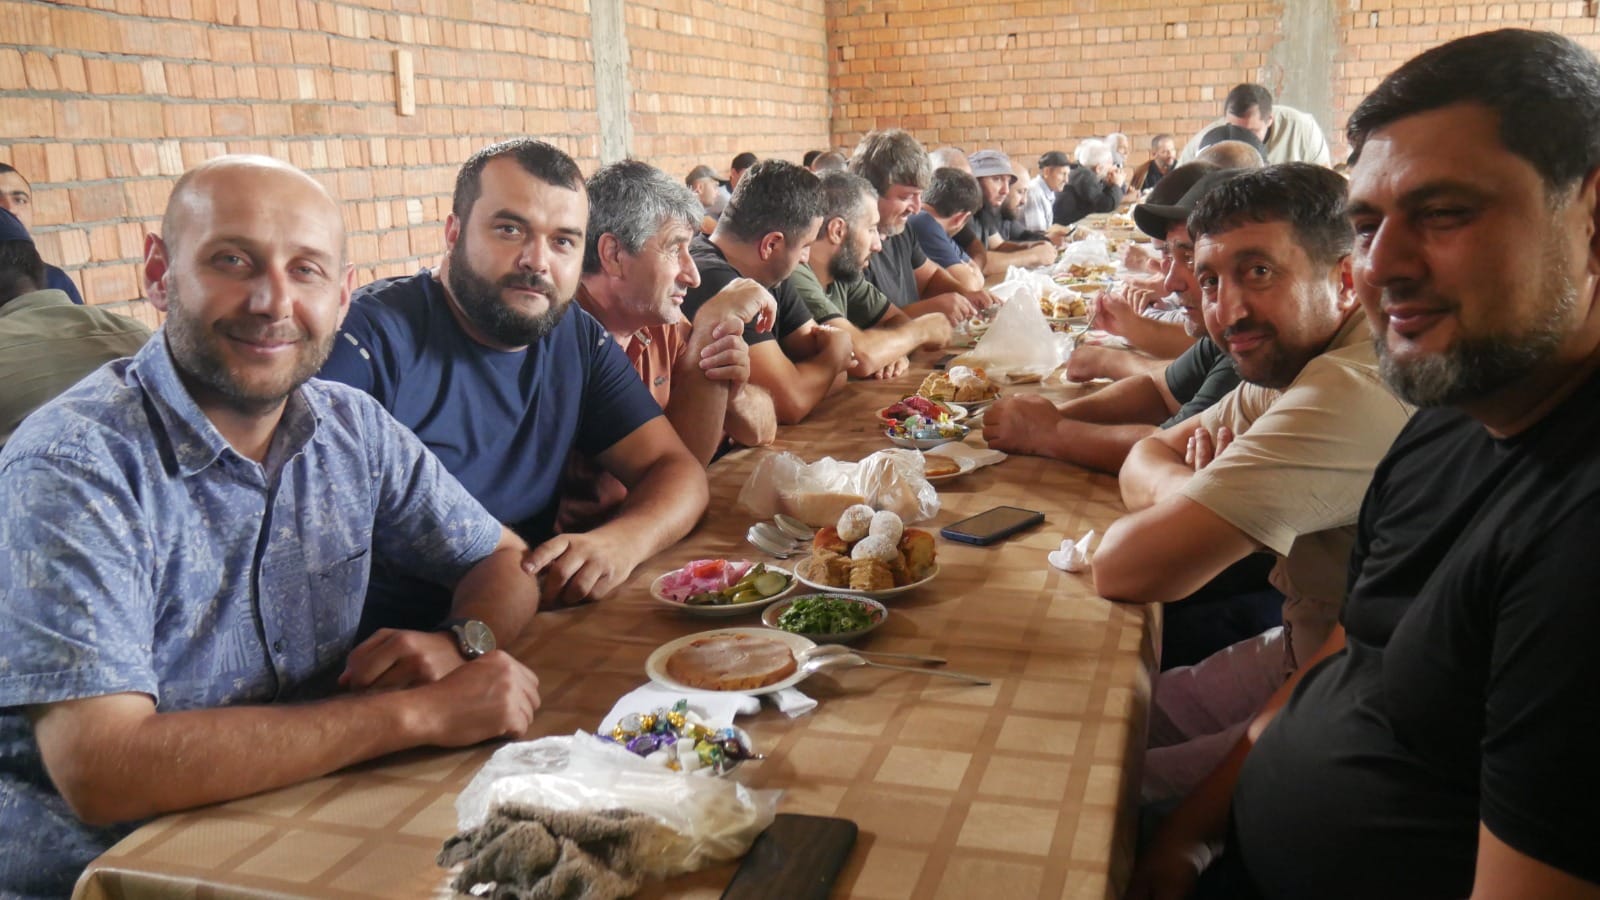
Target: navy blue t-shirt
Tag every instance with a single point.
(56, 279)
(503, 423)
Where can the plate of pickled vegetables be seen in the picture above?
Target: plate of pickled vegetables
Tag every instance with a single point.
(721, 587)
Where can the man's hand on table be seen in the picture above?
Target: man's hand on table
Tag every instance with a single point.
(573, 568)
(935, 329)
(1016, 424)
(1203, 446)
(393, 658)
(893, 370)
(494, 696)
(956, 308)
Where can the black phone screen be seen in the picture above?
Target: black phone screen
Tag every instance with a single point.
(992, 525)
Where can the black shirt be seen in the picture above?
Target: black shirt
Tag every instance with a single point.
(1084, 193)
(1198, 378)
(716, 272)
(1467, 690)
(894, 269)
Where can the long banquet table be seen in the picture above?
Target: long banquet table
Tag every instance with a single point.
(1024, 788)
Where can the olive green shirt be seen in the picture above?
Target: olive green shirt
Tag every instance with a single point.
(859, 302)
(48, 344)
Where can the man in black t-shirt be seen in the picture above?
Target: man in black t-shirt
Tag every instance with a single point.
(897, 166)
(1445, 744)
(763, 235)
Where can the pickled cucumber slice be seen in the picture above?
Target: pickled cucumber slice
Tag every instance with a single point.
(769, 583)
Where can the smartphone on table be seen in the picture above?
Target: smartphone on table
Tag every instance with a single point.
(797, 858)
(991, 526)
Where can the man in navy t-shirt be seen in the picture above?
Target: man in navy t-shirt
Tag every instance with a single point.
(485, 361)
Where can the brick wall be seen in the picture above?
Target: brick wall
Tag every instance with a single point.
(713, 78)
(103, 108)
(1034, 76)
(1381, 34)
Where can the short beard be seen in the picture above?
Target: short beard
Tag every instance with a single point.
(1473, 368)
(843, 267)
(196, 356)
(479, 300)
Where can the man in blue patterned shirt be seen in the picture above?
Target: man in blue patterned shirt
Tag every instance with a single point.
(185, 540)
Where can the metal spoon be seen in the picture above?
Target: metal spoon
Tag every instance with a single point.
(774, 535)
(794, 528)
(822, 650)
(758, 540)
(850, 661)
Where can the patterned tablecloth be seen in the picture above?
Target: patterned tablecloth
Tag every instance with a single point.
(1024, 788)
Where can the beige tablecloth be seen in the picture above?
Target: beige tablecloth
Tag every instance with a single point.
(1025, 788)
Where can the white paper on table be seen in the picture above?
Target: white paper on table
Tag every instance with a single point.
(1073, 556)
(792, 703)
(956, 450)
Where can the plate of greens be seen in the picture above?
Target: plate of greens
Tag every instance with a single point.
(826, 618)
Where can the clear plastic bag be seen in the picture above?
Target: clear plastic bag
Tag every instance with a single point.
(817, 492)
(709, 819)
(1020, 341)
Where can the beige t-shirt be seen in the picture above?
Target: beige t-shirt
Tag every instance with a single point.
(1297, 471)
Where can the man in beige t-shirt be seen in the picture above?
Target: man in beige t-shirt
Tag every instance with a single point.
(1280, 464)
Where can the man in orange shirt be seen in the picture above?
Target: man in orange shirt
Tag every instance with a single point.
(636, 271)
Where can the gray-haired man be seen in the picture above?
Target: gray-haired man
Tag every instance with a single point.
(636, 271)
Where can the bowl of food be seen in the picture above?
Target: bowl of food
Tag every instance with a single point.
(720, 587)
(923, 407)
(826, 618)
(917, 433)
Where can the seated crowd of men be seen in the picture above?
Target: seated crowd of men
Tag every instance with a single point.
(289, 531)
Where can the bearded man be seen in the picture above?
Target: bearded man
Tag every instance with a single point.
(497, 371)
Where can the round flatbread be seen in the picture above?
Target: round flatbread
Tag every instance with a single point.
(731, 662)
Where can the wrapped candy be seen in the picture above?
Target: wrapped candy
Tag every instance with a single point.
(678, 741)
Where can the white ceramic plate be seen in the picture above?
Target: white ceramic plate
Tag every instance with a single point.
(965, 464)
(802, 572)
(714, 612)
(923, 443)
(877, 611)
(656, 665)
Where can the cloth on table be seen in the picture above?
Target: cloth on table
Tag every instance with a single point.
(533, 853)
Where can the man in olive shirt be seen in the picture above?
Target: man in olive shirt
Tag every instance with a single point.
(47, 342)
(834, 289)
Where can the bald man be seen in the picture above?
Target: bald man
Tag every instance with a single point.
(186, 536)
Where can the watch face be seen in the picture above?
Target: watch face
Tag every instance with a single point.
(477, 636)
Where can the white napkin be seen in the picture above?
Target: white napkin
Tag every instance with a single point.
(1074, 554)
(791, 702)
(957, 450)
(714, 707)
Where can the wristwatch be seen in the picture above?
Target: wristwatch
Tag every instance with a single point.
(473, 638)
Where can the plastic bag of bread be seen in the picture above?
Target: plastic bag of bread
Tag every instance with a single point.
(894, 480)
(816, 493)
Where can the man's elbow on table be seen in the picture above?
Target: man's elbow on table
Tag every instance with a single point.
(1123, 569)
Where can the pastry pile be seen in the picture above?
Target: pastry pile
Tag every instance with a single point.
(871, 551)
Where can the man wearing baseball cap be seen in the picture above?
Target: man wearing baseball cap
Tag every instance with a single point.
(1053, 169)
(47, 342)
(1098, 430)
(982, 238)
